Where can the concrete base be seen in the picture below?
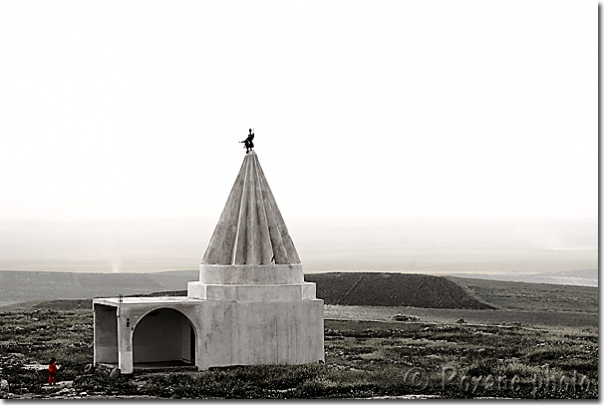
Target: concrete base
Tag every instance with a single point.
(233, 325)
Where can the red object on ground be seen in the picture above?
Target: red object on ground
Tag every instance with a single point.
(52, 373)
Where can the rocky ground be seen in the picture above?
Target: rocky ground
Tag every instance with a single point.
(60, 390)
(402, 357)
(69, 390)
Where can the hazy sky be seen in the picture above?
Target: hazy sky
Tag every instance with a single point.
(365, 109)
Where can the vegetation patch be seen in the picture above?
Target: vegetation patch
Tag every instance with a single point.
(363, 359)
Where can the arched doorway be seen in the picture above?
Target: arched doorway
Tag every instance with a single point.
(164, 337)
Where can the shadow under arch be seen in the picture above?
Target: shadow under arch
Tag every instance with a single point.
(164, 337)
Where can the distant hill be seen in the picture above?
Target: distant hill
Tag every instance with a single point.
(20, 286)
(392, 289)
(513, 295)
(587, 277)
(381, 289)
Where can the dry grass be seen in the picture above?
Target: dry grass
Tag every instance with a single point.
(363, 359)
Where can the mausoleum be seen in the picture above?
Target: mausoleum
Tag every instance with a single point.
(251, 304)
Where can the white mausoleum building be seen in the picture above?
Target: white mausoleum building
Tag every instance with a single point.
(251, 304)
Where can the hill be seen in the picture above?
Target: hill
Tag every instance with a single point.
(587, 277)
(381, 289)
(19, 286)
(340, 288)
(431, 298)
(536, 297)
(392, 289)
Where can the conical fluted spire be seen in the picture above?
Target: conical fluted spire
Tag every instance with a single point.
(251, 229)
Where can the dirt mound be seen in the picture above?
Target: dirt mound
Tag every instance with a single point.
(392, 289)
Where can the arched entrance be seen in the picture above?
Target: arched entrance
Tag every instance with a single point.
(164, 337)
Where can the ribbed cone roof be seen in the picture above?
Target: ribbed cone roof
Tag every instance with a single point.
(251, 229)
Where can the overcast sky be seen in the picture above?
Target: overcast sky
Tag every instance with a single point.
(364, 109)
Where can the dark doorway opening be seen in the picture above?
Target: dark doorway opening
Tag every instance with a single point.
(164, 338)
